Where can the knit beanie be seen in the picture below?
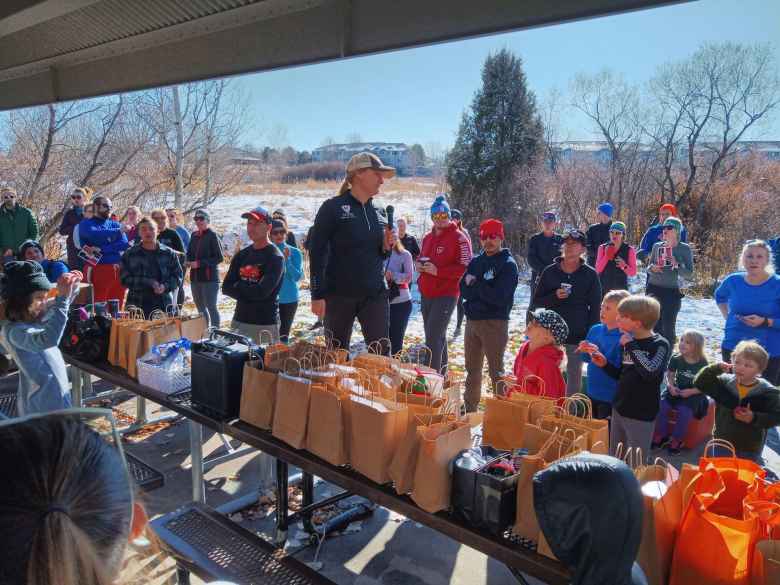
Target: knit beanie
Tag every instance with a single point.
(27, 244)
(457, 214)
(674, 223)
(22, 278)
(440, 205)
(618, 226)
(606, 208)
(670, 207)
(491, 227)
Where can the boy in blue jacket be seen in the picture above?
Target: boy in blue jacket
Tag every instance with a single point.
(604, 337)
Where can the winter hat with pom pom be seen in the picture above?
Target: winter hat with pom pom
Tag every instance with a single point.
(440, 205)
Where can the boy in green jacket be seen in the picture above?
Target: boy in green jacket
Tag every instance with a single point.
(747, 405)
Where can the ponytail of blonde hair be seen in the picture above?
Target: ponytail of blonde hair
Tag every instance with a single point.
(345, 185)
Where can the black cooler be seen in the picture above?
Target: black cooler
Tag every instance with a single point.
(218, 372)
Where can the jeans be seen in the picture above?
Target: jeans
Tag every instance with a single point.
(772, 372)
(684, 417)
(286, 317)
(671, 301)
(436, 314)
(373, 314)
(573, 369)
(399, 319)
(485, 338)
(460, 313)
(205, 296)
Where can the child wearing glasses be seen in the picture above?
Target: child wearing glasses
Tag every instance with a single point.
(32, 331)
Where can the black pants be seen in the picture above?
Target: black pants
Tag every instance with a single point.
(772, 372)
(373, 314)
(671, 301)
(460, 312)
(286, 318)
(399, 319)
(601, 409)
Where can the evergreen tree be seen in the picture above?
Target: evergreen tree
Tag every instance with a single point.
(491, 168)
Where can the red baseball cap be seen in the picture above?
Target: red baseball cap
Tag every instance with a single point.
(491, 227)
(259, 214)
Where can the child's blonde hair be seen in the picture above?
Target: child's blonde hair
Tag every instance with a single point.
(753, 351)
(641, 308)
(696, 339)
(615, 296)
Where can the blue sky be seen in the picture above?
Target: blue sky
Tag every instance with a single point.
(421, 93)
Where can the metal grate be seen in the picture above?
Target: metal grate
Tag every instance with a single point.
(520, 541)
(183, 397)
(8, 404)
(238, 558)
(146, 478)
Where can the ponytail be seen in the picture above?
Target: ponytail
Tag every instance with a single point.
(345, 185)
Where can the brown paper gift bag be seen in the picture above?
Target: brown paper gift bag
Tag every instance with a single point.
(766, 563)
(291, 411)
(439, 444)
(125, 337)
(376, 428)
(328, 430)
(158, 332)
(193, 327)
(661, 517)
(404, 463)
(538, 404)
(258, 396)
(598, 430)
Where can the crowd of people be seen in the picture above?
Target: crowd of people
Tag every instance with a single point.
(364, 264)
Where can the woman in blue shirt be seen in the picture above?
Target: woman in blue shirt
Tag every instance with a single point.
(293, 271)
(750, 302)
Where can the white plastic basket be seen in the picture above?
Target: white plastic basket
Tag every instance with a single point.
(161, 378)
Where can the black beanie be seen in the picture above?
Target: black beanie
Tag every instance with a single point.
(23, 278)
(29, 243)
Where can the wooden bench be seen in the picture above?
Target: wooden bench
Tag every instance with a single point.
(206, 543)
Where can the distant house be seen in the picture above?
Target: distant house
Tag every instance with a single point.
(395, 154)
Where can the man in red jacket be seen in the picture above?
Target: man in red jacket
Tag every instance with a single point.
(445, 254)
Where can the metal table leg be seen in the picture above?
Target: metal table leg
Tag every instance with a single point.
(196, 454)
(307, 486)
(282, 504)
(140, 412)
(75, 386)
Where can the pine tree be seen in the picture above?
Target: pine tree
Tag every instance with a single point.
(491, 168)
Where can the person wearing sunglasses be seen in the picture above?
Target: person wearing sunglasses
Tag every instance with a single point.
(151, 271)
(571, 288)
(17, 224)
(669, 263)
(204, 255)
(31, 334)
(442, 262)
(615, 260)
(598, 233)
(78, 198)
(293, 271)
(280, 215)
(69, 509)
(170, 237)
(348, 246)
(102, 242)
(488, 291)
(654, 233)
(543, 247)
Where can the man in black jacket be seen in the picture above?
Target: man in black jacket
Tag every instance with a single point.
(254, 279)
(598, 233)
(544, 247)
(349, 244)
(150, 271)
(488, 291)
(572, 289)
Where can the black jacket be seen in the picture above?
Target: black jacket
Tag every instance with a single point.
(613, 278)
(589, 508)
(597, 234)
(346, 255)
(207, 250)
(138, 268)
(70, 220)
(492, 294)
(171, 238)
(411, 245)
(581, 308)
(542, 251)
(254, 279)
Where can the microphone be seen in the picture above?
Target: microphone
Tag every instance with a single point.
(390, 212)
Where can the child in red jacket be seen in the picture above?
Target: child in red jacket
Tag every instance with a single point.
(541, 355)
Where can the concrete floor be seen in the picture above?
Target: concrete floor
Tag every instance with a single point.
(388, 549)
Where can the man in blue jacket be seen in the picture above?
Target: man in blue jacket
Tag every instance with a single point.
(102, 242)
(488, 290)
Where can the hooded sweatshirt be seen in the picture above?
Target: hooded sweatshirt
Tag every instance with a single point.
(581, 308)
(589, 508)
(763, 399)
(449, 250)
(492, 293)
(544, 362)
(542, 251)
(602, 386)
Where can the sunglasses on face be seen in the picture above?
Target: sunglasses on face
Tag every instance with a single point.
(7, 197)
(667, 228)
(616, 232)
(104, 205)
(76, 197)
(200, 219)
(439, 216)
(277, 232)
